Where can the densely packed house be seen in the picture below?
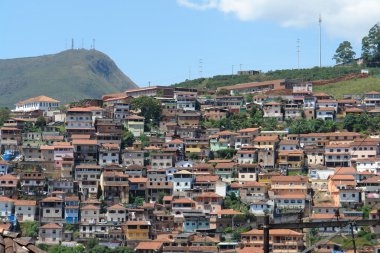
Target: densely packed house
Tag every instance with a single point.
(184, 187)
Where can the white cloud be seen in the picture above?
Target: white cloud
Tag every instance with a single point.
(349, 19)
(199, 5)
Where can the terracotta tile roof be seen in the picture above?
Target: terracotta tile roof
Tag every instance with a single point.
(71, 198)
(138, 179)
(209, 195)
(342, 177)
(51, 226)
(117, 207)
(52, 199)
(20, 202)
(8, 177)
(289, 179)
(345, 171)
(5, 199)
(272, 103)
(290, 196)
(219, 161)
(191, 249)
(375, 179)
(138, 223)
(37, 99)
(248, 130)
(175, 141)
(326, 109)
(167, 198)
(226, 133)
(80, 136)
(275, 232)
(266, 138)
(88, 166)
(183, 201)
(206, 178)
(90, 207)
(84, 142)
(225, 165)
(46, 147)
(227, 212)
(79, 109)
(152, 245)
(91, 201)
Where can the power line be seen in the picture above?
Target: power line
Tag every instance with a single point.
(320, 40)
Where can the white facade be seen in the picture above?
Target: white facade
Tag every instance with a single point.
(25, 212)
(108, 157)
(42, 103)
(260, 208)
(6, 206)
(370, 166)
(182, 181)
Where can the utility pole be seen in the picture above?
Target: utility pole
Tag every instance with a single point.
(320, 40)
(353, 236)
(266, 233)
(298, 53)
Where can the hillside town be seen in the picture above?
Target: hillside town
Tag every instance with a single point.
(143, 169)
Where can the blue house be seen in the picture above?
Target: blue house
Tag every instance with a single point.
(195, 220)
(72, 209)
(4, 167)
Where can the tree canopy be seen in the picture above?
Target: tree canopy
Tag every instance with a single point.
(344, 53)
(371, 47)
(149, 107)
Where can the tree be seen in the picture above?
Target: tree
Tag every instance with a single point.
(344, 53)
(139, 201)
(128, 139)
(29, 229)
(226, 153)
(193, 156)
(149, 107)
(371, 47)
(4, 115)
(91, 243)
(40, 123)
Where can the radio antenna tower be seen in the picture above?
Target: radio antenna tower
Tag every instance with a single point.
(72, 43)
(320, 40)
(93, 44)
(298, 53)
(200, 68)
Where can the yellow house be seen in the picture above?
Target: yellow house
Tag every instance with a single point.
(266, 178)
(137, 230)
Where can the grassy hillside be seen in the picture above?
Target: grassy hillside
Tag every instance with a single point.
(305, 74)
(67, 76)
(354, 86)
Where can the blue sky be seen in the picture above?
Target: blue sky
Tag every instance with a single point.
(161, 41)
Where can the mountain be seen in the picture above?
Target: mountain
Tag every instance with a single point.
(68, 76)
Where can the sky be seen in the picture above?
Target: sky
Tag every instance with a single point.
(168, 41)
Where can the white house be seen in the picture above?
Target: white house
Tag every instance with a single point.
(371, 165)
(6, 206)
(117, 213)
(109, 153)
(182, 180)
(261, 207)
(50, 233)
(25, 210)
(43, 103)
